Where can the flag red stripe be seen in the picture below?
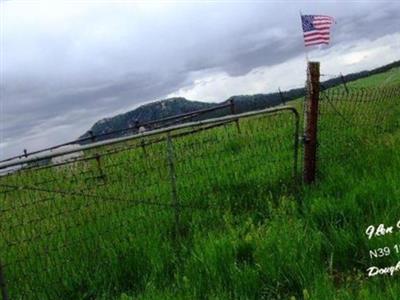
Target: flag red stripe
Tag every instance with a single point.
(310, 38)
(323, 20)
(317, 39)
(322, 23)
(323, 17)
(322, 27)
(317, 43)
(316, 32)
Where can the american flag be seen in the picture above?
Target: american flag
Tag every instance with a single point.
(316, 29)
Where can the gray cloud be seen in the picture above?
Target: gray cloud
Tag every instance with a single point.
(64, 68)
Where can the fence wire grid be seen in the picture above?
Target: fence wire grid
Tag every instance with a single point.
(351, 122)
(107, 214)
(118, 213)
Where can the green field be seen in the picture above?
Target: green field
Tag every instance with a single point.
(235, 224)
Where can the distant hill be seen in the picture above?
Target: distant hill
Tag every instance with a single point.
(174, 106)
(148, 112)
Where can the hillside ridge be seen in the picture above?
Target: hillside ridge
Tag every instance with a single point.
(178, 105)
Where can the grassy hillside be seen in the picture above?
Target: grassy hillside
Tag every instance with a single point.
(235, 225)
(390, 77)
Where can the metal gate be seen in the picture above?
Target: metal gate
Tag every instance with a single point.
(110, 216)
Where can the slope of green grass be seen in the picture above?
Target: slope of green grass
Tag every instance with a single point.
(236, 226)
(392, 77)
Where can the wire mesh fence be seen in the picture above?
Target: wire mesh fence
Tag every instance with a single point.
(122, 211)
(117, 213)
(109, 131)
(353, 120)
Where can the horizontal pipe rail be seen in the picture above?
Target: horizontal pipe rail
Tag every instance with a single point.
(177, 118)
(147, 134)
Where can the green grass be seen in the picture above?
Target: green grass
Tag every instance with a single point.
(388, 78)
(243, 228)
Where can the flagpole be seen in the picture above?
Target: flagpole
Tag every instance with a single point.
(306, 85)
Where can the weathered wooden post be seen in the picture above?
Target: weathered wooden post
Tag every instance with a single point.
(311, 122)
(143, 145)
(97, 157)
(232, 106)
(233, 111)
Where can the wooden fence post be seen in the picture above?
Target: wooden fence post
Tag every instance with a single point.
(311, 122)
(233, 111)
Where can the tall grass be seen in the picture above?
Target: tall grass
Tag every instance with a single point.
(239, 228)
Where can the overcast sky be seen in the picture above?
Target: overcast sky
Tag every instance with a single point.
(65, 65)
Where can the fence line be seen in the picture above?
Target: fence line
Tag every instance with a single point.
(102, 211)
(163, 183)
(155, 124)
(147, 134)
